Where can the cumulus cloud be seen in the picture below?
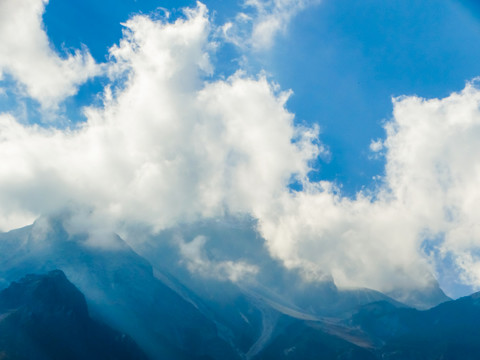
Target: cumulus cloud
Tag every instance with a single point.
(432, 166)
(27, 55)
(169, 146)
(166, 146)
(361, 242)
(258, 27)
(429, 198)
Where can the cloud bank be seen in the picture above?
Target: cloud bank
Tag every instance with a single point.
(168, 146)
(165, 146)
(425, 211)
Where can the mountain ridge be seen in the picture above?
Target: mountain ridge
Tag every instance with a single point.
(174, 313)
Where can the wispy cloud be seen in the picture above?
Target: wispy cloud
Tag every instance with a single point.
(262, 21)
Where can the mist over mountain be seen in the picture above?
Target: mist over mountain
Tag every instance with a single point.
(174, 306)
(120, 289)
(214, 243)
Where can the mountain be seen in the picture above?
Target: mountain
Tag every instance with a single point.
(323, 339)
(380, 330)
(120, 288)
(46, 317)
(447, 331)
(251, 308)
(174, 309)
(235, 239)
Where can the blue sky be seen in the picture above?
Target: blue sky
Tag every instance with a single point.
(148, 113)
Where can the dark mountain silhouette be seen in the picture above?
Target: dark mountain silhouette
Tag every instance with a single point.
(46, 317)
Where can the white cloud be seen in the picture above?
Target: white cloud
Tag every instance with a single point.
(361, 242)
(165, 147)
(26, 54)
(430, 191)
(263, 20)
